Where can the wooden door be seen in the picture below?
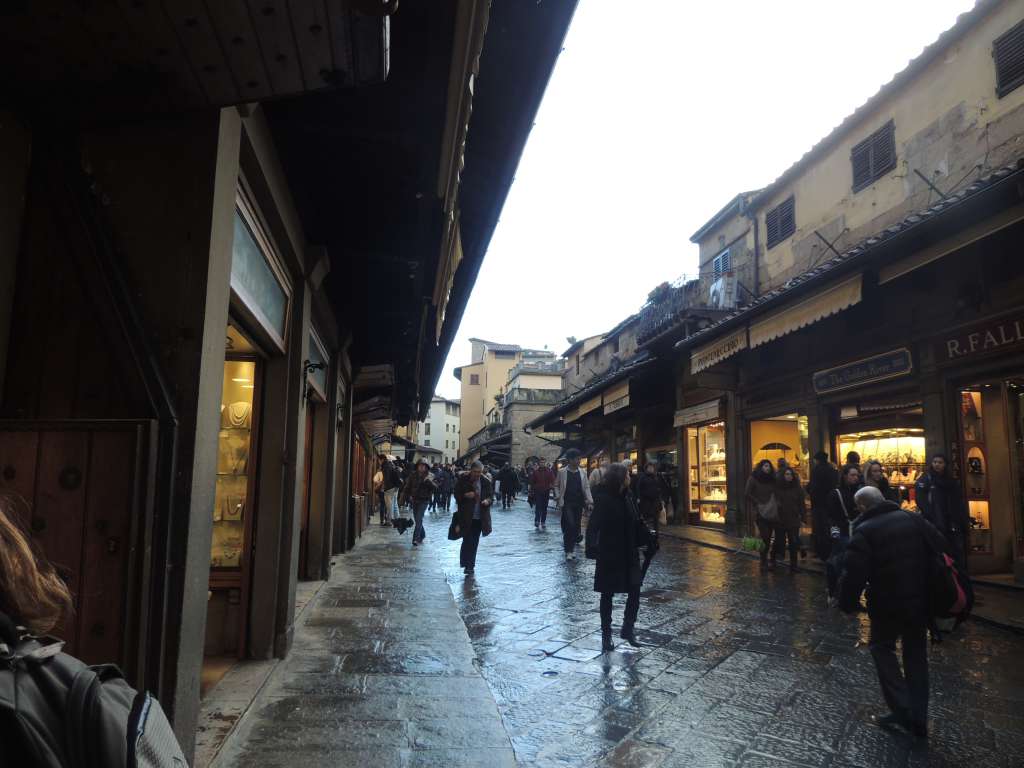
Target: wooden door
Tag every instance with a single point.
(79, 491)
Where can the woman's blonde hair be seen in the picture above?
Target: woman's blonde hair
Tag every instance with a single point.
(32, 594)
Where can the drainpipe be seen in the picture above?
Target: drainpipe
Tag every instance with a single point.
(757, 259)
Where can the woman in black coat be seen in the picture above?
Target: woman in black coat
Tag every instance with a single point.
(614, 534)
(941, 502)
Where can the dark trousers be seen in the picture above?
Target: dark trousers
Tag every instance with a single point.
(540, 508)
(470, 544)
(418, 508)
(786, 538)
(385, 514)
(765, 530)
(572, 515)
(632, 608)
(507, 497)
(906, 691)
(820, 533)
(834, 564)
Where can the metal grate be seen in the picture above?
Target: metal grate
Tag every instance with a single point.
(1008, 52)
(874, 157)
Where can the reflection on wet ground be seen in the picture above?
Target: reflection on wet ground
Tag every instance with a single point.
(738, 668)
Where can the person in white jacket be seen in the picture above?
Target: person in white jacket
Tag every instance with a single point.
(572, 495)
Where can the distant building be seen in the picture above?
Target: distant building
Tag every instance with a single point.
(485, 377)
(440, 430)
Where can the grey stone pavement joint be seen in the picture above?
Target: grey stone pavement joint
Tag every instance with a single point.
(739, 668)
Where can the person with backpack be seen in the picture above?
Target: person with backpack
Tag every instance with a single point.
(55, 711)
(762, 506)
(941, 501)
(390, 486)
(888, 554)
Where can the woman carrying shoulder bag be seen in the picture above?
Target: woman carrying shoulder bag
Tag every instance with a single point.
(762, 506)
(614, 535)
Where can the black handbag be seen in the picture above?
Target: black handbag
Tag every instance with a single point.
(455, 528)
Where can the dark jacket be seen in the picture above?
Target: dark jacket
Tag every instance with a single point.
(648, 492)
(791, 503)
(890, 493)
(508, 479)
(842, 513)
(614, 533)
(465, 506)
(888, 554)
(941, 502)
(760, 488)
(417, 488)
(824, 478)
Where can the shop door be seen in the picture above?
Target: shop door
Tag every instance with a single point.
(78, 487)
(307, 483)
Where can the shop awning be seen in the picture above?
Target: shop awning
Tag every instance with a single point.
(836, 298)
(583, 408)
(718, 350)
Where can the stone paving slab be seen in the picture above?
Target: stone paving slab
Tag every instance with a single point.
(382, 673)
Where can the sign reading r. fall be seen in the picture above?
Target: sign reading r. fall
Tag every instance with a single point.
(888, 365)
(981, 339)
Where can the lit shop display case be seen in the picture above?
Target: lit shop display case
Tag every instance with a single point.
(707, 473)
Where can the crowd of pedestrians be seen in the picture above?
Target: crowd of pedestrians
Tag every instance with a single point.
(871, 543)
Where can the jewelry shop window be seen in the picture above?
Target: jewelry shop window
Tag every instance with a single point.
(707, 476)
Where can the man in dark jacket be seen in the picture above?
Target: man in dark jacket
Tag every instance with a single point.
(509, 485)
(648, 494)
(824, 479)
(473, 495)
(888, 554)
(941, 503)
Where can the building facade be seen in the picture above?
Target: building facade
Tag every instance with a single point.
(483, 381)
(441, 428)
(886, 307)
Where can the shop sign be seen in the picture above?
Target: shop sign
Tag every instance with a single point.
(616, 405)
(696, 414)
(711, 354)
(981, 339)
(890, 365)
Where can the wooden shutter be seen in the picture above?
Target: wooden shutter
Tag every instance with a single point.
(780, 221)
(1008, 52)
(873, 157)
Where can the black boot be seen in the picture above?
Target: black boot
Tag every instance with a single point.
(629, 636)
(606, 640)
(764, 558)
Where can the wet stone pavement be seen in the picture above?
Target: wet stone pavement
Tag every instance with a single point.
(737, 668)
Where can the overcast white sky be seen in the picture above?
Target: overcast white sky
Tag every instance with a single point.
(652, 121)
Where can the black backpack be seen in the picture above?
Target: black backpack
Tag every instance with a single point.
(56, 712)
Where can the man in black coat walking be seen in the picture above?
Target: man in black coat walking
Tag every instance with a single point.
(888, 554)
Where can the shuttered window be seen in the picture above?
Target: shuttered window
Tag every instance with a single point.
(874, 157)
(780, 222)
(721, 264)
(1008, 52)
